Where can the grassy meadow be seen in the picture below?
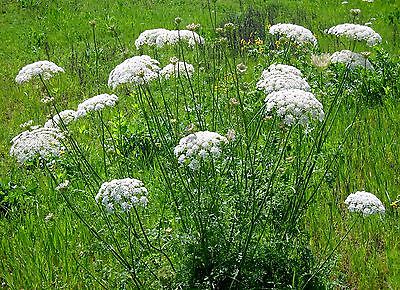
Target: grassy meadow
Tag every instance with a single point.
(300, 235)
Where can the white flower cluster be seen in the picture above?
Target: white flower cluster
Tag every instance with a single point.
(95, 103)
(43, 68)
(64, 117)
(199, 145)
(138, 69)
(356, 32)
(149, 37)
(365, 203)
(281, 77)
(295, 106)
(124, 193)
(351, 59)
(177, 69)
(161, 37)
(296, 33)
(41, 142)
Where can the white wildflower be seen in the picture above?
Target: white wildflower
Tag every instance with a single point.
(175, 36)
(138, 70)
(66, 116)
(283, 68)
(275, 81)
(63, 185)
(295, 106)
(27, 124)
(95, 103)
(356, 32)
(365, 203)
(322, 60)
(351, 59)
(180, 68)
(296, 33)
(43, 68)
(41, 142)
(122, 193)
(149, 37)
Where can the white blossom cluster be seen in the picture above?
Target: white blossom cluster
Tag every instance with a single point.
(281, 77)
(122, 194)
(356, 32)
(64, 117)
(295, 105)
(160, 37)
(177, 69)
(296, 33)
(149, 37)
(351, 59)
(43, 68)
(138, 70)
(41, 142)
(95, 103)
(197, 146)
(365, 203)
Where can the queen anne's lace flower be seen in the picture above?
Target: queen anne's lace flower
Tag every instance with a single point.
(149, 37)
(175, 36)
(283, 68)
(178, 69)
(41, 142)
(352, 59)
(43, 68)
(296, 33)
(275, 81)
(67, 116)
(356, 32)
(295, 106)
(199, 145)
(95, 103)
(138, 70)
(122, 194)
(365, 203)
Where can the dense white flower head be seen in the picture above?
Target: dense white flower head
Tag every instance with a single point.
(95, 103)
(67, 116)
(122, 194)
(296, 33)
(356, 32)
(175, 36)
(41, 142)
(197, 146)
(180, 68)
(45, 69)
(351, 59)
(138, 70)
(295, 106)
(283, 68)
(149, 37)
(365, 203)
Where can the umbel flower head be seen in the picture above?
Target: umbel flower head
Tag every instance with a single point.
(173, 37)
(138, 70)
(64, 117)
(149, 37)
(351, 59)
(45, 69)
(281, 77)
(177, 69)
(365, 203)
(122, 194)
(95, 103)
(295, 106)
(356, 32)
(296, 33)
(197, 146)
(41, 142)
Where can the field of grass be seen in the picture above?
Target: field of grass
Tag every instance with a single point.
(44, 245)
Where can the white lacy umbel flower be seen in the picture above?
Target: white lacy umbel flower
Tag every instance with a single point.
(295, 106)
(296, 33)
(95, 103)
(178, 69)
(45, 69)
(122, 194)
(41, 142)
(175, 36)
(351, 59)
(273, 81)
(365, 203)
(138, 70)
(66, 116)
(283, 68)
(199, 145)
(149, 37)
(356, 32)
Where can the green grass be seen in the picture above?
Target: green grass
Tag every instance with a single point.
(61, 252)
